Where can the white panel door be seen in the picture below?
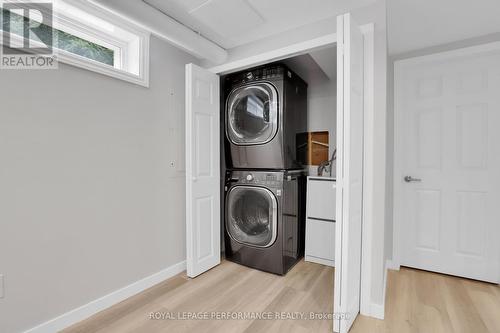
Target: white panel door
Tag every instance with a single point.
(448, 141)
(202, 170)
(349, 172)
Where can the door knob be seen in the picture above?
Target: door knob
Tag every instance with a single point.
(410, 179)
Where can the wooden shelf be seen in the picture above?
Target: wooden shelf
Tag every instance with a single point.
(318, 147)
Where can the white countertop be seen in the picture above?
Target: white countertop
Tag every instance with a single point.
(325, 178)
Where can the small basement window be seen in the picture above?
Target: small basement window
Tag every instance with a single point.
(89, 37)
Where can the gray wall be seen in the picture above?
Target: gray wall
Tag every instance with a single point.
(390, 120)
(89, 200)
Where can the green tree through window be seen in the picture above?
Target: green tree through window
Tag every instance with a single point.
(62, 40)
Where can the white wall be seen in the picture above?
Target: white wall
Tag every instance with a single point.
(376, 14)
(322, 112)
(321, 95)
(297, 35)
(89, 200)
(446, 21)
(322, 109)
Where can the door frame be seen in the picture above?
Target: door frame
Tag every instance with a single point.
(367, 307)
(400, 65)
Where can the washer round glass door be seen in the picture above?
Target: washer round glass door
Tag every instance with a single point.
(252, 114)
(252, 216)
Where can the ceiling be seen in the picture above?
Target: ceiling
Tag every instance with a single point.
(231, 23)
(315, 67)
(414, 25)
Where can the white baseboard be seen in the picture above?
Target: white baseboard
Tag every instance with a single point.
(392, 265)
(378, 311)
(374, 310)
(321, 261)
(83, 312)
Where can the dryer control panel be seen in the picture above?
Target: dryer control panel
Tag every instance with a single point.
(257, 74)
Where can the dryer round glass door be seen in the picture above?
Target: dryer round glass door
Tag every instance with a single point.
(252, 114)
(252, 216)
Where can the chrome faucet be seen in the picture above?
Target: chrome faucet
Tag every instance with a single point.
(327, 164)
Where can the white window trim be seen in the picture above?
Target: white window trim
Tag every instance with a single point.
(144, 39)
(94, 35)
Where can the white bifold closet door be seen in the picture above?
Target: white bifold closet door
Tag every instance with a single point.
(350, 82)
(202, 170)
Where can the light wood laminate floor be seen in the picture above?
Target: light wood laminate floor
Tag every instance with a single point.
(417, 301)
(424, 302)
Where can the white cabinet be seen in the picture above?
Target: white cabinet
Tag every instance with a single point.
(321, 198)
(320, 242)
(320, 223)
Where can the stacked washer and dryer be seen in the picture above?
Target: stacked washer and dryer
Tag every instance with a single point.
(265, 122)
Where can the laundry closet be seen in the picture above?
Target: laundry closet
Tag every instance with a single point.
(263, 185)
(278, 125)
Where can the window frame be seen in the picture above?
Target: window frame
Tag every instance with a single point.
(122, 48)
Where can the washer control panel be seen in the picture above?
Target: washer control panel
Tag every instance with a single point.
(270, 179)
